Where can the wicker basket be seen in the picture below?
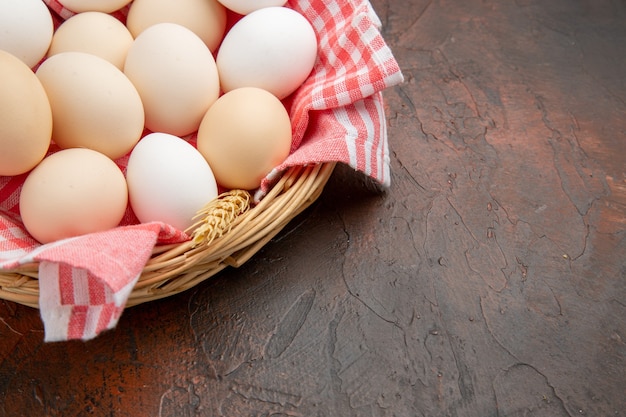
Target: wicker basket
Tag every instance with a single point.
(172, 269)
(176, 268)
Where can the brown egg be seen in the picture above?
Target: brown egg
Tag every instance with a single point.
(94, 105)
(96, 33)
(175, 75)
(25, 117)
(243, 136)
(73, 192)
(205, 18)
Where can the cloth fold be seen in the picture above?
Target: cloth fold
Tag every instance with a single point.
(337, 116)
(84, 281)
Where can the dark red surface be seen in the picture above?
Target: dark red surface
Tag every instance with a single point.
(488, 281)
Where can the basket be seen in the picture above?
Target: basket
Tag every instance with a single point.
(176, 268)
(337, 116)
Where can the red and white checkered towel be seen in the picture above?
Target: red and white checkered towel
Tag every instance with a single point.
(337, 115)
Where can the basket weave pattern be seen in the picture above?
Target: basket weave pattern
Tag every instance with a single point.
(176, 268)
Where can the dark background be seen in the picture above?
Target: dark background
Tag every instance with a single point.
(489, 280)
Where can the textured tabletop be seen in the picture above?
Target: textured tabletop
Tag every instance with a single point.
(489, 280)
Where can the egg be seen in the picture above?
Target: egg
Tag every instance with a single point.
(205, 18)
(94, 105)
(25, 117)
(105, 6)
(248, 6)
(96, 33)
(73, 192)
(175, 75)
(274, 48)
(168, 180)
(25, 29)
(243, 136)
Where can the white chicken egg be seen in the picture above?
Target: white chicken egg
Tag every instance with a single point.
(248, 6)
(105, 6)
(168, 180)
(273, 48)
(26, 29)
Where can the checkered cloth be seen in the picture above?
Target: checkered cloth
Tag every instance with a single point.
(337, 115)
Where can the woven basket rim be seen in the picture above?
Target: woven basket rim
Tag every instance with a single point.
(173, 269)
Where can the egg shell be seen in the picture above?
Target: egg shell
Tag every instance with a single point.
(25, 117)
(274, 48)
(105, 6)
(73, 192)
(248, 6)
(243, 136)
(168, 180)
(205, 18)
(26, 29)
(94, 105)
(176, 76)
(96, 33)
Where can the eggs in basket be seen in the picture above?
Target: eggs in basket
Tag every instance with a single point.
(148, 113)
